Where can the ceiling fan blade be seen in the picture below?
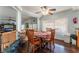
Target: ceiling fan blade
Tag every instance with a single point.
(45, 7)
(52, 9)
(49, 13)
(38, 12)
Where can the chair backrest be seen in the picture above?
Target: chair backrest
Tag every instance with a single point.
(22, 34)
(30, 34)
(48, 29)
(77, 42)
(52, 34)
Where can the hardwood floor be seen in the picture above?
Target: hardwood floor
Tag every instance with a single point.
(60, 47)
(67, 48)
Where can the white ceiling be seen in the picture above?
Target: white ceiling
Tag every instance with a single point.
(35, 9)
(32, 9)
(7, 11)
(29, 11)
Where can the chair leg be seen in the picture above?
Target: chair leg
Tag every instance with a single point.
(76, 43)
(40, 47)
(28, 46)
(33, 49)
(53, 44)
(50, 46)
(70, 41)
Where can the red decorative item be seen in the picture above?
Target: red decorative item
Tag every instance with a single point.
(75, 20)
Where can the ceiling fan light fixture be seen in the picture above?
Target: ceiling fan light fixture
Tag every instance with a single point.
(52, 9)
(44, 11)
(47, 11)
(50, 13)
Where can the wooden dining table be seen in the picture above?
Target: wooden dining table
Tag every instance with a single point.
(43, 36)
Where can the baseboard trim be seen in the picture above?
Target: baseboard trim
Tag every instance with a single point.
(59, 40)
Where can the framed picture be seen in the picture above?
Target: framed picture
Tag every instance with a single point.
(75, 20)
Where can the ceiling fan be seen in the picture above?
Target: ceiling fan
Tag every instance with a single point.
(46, 11)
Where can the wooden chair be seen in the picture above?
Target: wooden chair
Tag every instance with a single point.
(33, 41)
(23, 43)
(77, 41)
(51, 40)
(75, 37)
(48, 29)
